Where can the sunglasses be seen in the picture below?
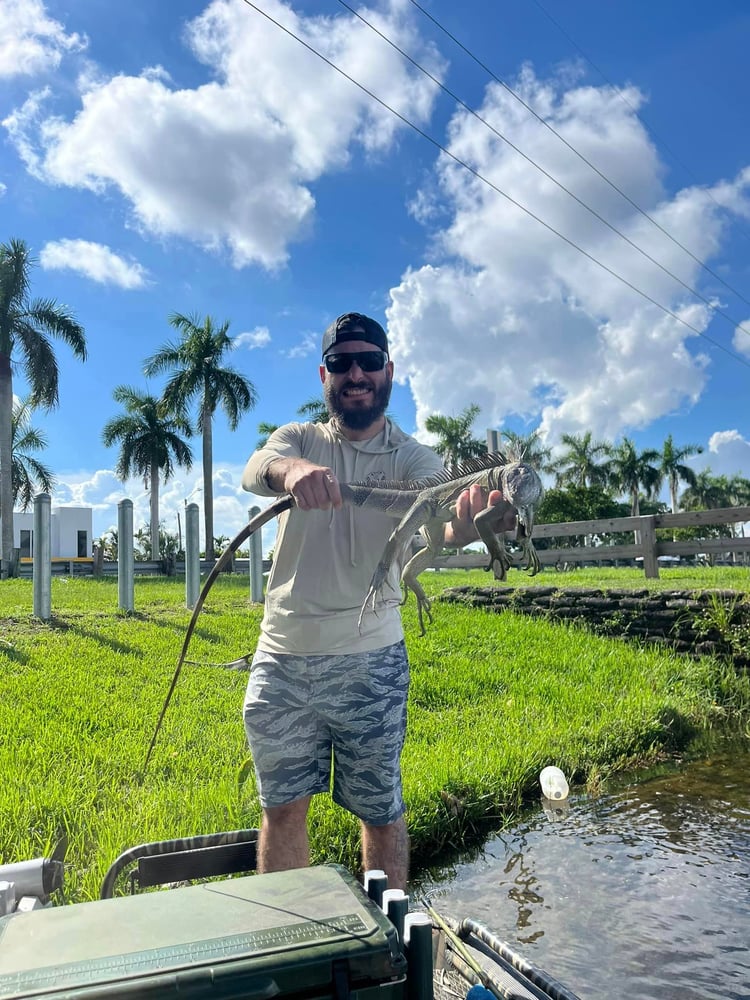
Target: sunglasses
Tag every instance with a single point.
(368, 361)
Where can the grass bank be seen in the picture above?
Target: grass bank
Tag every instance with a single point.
(493, 699)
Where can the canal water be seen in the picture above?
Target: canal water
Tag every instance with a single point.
(639, 892)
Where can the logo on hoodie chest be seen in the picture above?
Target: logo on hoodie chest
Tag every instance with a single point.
(376, 479)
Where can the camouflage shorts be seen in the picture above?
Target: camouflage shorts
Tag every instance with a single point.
(303, 713)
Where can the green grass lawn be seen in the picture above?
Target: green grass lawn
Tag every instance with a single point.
(494, 698)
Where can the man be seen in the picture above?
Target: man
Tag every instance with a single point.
(320, 687)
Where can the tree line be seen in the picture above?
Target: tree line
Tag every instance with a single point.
(153, 432)
(589, 474)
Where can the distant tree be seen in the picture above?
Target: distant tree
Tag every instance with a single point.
(630, 472)
(527, 448)
(315, 410)
(29, 475)
(265, 430)
(143, 545)
(197, 373)
(455, 443)
(739, 496)
(109, 543)
(739, 491)
(580, 464)
(673, 468)
(25, 328)
(579, 503)
(150, 446)
(706, 492)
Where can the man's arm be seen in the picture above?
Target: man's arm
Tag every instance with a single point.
(278, 467)
(314, 487)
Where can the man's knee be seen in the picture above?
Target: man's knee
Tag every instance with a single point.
(288, 814)
(385, 830)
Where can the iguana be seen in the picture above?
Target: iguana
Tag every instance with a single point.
(433, 505)
(425, 505)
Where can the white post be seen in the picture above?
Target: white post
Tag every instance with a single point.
(42, 554)
(256, 562)
(125, 569)
(192, 556)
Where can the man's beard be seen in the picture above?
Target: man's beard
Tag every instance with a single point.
(357, 418)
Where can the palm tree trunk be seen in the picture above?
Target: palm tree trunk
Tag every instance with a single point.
(208, 493)
(154, 510)
(6, 459)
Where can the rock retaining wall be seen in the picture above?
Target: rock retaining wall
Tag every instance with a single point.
(692, 622)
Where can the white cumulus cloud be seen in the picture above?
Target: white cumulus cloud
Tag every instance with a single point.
(728, 454)
(741, 339)
(512, 317)
(230, 163)
(30, 40)
(93, 260)
(251, 339)
(307, 346)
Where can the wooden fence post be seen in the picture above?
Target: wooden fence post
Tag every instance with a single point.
(648, 547)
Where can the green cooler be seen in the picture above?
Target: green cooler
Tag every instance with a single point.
(307, 934)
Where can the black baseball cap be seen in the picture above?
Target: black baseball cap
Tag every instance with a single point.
(354, 326)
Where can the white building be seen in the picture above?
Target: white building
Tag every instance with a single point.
(70, 533)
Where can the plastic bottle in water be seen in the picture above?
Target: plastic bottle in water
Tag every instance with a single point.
(554, 784)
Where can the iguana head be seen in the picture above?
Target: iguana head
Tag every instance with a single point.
(522, 487)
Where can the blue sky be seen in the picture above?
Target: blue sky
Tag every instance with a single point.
(193, 157)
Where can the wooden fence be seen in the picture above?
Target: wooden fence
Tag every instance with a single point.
(646, 546)
(597, 549)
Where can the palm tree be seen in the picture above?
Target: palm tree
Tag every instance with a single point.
(527, 448)
(706, 493)
(150, 444)
(265, 430)
(25, 328)
(455, 443)
(739, 496)
(629, 471)
(739, 491)
(579, 465)
(28, 473)
(195, 364)
(673, 468)
(315, 410)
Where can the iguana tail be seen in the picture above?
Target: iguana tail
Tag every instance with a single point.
(273, 510)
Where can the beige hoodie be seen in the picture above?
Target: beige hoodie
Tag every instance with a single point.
(324, 560)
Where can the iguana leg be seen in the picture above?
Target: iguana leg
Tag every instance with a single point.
(533, 564)
(421, 512)
(433, 533)
(418, 562)
(486, 522)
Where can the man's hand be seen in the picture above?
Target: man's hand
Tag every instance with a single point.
(461, 530)
(314, 487)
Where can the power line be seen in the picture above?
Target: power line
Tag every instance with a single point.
(640, 118)
(580, 155)
(693, 291)
(494, 187)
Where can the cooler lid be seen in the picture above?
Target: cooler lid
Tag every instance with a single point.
(275, 934)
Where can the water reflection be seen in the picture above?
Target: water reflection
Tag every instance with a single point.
(640, 892)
